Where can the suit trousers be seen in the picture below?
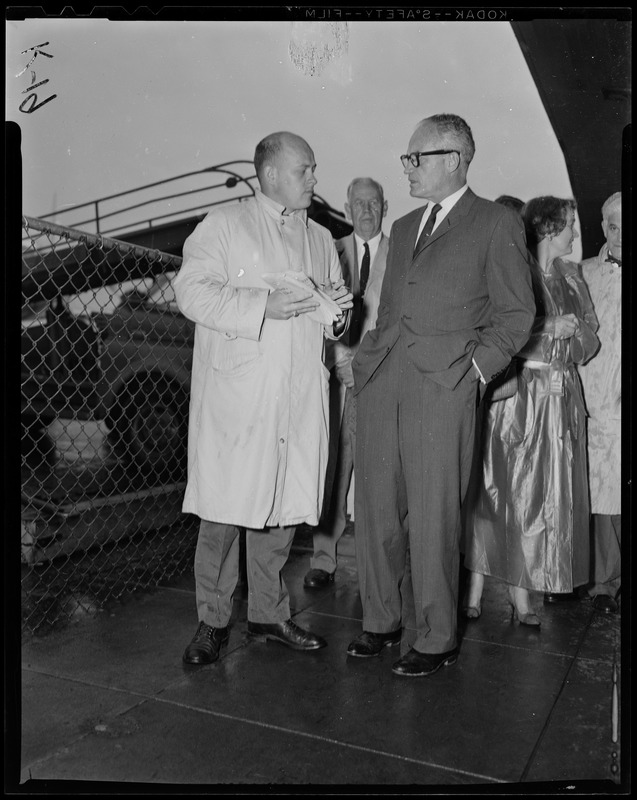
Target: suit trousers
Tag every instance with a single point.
(327, 536)
(217, 572)
(415, 441)
(606, 550)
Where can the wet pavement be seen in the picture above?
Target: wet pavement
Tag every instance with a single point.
(107, 702)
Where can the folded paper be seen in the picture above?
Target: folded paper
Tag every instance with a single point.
(327, 312)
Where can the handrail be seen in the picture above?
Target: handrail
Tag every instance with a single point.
(232, 181)
(202, 209)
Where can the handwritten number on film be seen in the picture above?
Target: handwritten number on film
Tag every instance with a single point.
(33, 98)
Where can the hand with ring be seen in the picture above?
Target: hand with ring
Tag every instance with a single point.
(283, 303)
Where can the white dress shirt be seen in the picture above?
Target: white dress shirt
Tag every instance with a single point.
(446, 205)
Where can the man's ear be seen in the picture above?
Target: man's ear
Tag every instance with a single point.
(454, 161)
(270, 174)
(385, 208)
(348, 212)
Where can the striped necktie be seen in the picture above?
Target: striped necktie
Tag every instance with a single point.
(426, 231)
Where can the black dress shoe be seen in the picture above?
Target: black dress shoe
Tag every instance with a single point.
(414, 664)
(318, 579)
(205, 646)
(605, 604)
(287, 633)
(370, 644)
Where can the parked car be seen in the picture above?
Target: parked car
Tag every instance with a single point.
(146, 362)
(129, 366)
(60, 372)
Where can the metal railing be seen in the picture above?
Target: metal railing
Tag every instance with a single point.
(240, 183)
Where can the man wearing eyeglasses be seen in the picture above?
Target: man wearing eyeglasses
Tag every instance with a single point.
(456, 305)
(363, 256)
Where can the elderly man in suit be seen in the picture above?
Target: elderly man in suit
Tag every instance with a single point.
(363, 256)
(456, 305)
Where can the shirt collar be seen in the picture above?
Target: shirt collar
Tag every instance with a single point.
(275, 209)
(373, 242)
(604, 254)
(445, 207)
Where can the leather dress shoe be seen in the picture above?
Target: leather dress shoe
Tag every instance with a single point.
(288, 633)
(414, 664)
(605, 604)
(370, 644)
(206, 644)
(318, 579)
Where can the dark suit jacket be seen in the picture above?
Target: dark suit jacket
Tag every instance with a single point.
(466, 294)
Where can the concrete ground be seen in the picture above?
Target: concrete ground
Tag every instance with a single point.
(107, 702)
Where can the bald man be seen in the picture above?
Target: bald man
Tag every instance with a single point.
(258, 436)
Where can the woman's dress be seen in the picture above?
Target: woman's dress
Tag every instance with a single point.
(527, 514)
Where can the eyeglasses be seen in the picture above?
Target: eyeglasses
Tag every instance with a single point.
(361, 205)
(413, 159)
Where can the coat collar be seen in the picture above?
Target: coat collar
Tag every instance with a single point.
(274, 209)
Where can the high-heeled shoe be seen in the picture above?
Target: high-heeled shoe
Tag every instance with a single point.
(530, 619)
(471, 612)
(524, 618)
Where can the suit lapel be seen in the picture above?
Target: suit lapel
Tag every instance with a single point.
(382, 249)
(412, 235)
(455, 216)
(354, 266)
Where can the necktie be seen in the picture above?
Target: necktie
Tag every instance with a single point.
(612, 260)
(429, 226)
(364, 277)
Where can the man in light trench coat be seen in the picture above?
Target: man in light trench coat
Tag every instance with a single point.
(258, 425)
(602, 383)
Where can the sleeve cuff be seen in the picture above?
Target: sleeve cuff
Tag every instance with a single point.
(477, 368)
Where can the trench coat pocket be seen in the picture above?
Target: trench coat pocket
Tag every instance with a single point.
(517, 413)
(233, 355)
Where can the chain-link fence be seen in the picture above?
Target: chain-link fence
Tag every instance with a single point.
(105, 373)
